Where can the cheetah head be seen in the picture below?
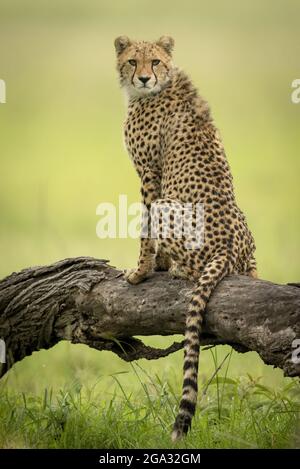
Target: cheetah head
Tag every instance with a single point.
(144, 67)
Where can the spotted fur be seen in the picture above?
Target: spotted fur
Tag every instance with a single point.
(179, 157)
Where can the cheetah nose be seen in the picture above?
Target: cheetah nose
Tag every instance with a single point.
(144, 79)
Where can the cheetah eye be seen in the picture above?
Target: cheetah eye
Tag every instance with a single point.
(155, 62)
(132, 62)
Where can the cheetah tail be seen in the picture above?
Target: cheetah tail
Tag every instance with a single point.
(214, 271)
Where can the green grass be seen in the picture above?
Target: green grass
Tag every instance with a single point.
(232, 413)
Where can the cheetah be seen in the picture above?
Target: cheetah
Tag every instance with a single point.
(179, 156)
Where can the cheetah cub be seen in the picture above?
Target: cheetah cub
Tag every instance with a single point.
(178, 155)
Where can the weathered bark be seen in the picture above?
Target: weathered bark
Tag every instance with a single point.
(86, 301)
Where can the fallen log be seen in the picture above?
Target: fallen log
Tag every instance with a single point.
(85, 300)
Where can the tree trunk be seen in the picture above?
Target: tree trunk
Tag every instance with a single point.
(86, 301)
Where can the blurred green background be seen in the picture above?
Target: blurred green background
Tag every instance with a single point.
(61, 148)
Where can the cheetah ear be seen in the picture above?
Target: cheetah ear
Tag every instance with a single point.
(167, 43)
(121, 43)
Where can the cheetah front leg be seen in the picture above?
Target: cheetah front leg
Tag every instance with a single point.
(150, 191)
(146, 263)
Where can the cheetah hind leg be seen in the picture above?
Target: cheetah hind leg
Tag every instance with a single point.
(252, 268)
(162, 261)
(179, 271)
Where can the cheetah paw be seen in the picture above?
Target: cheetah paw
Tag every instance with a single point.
(134, 276)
